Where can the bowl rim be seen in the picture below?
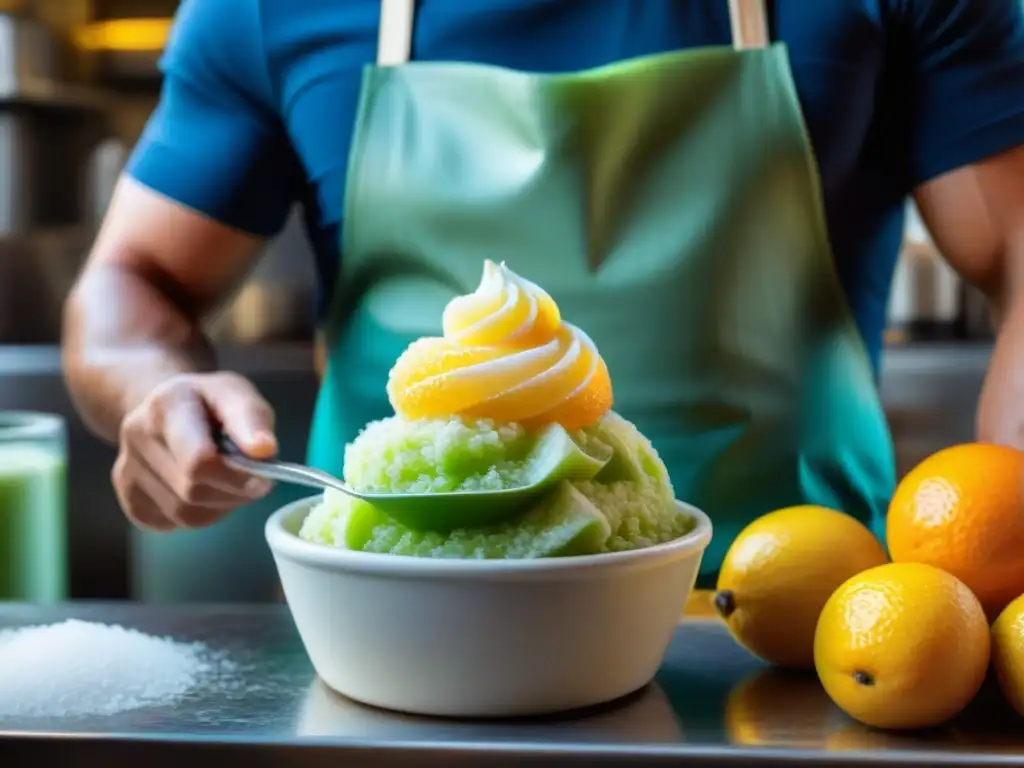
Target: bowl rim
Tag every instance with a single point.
(290, 546)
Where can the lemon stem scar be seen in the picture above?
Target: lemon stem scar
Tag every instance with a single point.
(863, 678)
(725, 603)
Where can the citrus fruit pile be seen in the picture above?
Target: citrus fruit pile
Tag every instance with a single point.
(899, 640)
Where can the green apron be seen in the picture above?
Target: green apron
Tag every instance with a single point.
(671, 206)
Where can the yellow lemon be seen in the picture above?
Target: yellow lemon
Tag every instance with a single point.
(1008, 652)
(779, 572)
(904, 645)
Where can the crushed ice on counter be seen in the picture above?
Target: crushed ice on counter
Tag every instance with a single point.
(80, 668)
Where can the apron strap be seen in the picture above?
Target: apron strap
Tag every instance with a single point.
(394, 43)
(394, 38)
(749, 24)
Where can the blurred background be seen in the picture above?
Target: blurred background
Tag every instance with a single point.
(78, 78)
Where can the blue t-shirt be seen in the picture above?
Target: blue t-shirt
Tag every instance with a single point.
(259, 100)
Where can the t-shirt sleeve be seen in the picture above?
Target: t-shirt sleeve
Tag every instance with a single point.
(967, 82)
(214, 142)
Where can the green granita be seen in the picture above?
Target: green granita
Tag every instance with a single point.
(628, 505)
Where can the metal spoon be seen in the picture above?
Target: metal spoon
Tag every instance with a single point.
(557, 458)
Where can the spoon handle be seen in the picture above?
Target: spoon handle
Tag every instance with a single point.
(226, 446)
(272, 469)
(235, 456)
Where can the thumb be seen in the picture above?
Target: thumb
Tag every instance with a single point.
(242, 413)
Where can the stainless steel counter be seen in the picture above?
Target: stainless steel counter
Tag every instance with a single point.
(711, 704)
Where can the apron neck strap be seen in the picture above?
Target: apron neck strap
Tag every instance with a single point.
(749, 24)
(394, 37)
(394, 43)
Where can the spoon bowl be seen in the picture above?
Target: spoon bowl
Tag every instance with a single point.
(555, 457)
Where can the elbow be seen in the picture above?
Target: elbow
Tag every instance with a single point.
(1005, 283)
(97, 322)
(71, 324)
(122, 334)
(79, 314)
(78, 380)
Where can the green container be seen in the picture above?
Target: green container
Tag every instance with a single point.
(33, 507)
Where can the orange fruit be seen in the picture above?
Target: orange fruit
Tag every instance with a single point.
(780, 571)
(962, 510)
(1008, 652)
(903, 645)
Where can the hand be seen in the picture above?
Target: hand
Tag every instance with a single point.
(169, 474)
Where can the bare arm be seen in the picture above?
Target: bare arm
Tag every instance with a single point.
(976, 215)
(133, 318)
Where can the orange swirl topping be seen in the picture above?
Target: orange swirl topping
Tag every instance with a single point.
(505, 355)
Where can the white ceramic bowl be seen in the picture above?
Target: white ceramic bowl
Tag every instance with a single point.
(484, 638)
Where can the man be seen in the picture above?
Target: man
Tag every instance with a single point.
(258, 111)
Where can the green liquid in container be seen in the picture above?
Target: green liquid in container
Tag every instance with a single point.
(33, 528)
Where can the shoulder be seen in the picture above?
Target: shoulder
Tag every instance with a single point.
(220, 43)
(948, 21)
(215, 28)
(824, 26)
(965, 75)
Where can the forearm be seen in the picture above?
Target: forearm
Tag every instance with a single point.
(999, 408)
(124, 334)
(975, 214)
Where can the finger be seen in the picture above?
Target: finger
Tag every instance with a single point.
(177, 445)
(182, 514)
(184, 426)
(186, 432)
(212, 484)
(141, 510)
(243, 414)
(251, 488)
